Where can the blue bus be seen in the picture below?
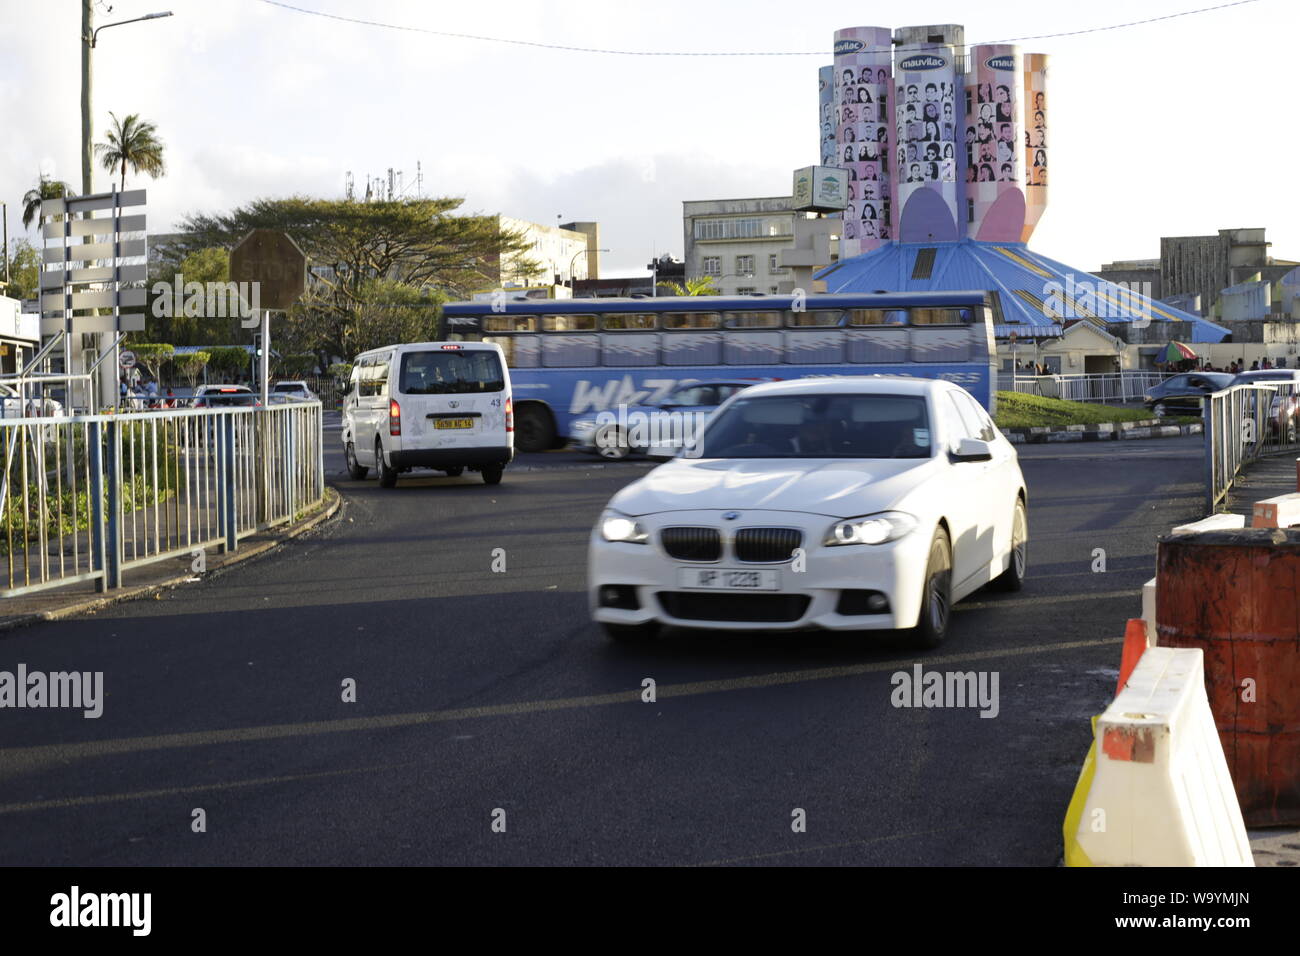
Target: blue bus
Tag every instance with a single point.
(574, 357)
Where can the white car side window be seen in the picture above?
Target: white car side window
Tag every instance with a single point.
(954, 425)
(977, 420)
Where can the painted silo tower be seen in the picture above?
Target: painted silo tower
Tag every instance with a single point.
(928, 110)
(863, 136)
(1036, 152)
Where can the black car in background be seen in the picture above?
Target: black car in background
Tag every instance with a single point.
(1182, 394)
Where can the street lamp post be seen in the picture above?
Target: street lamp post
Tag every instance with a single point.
(108, 393)
(573, 261)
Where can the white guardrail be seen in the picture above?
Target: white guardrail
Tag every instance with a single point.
(1108, 387)
(86, 497)
(1243, 423)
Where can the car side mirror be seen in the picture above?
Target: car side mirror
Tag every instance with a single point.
(973, 449)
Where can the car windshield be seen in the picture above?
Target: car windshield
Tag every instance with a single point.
(442, 373)
(290, 387)
(820, 426)
(219, 399)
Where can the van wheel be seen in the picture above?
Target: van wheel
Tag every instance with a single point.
(387, 474)
(534, 430)
(454, 472)
(492, 474)
(936, 597)
(356, 471)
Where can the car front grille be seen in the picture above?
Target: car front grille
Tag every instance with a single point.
(738, 608)
(767, 544)
(692, 544)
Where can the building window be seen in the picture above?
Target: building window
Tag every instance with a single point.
(746, 290)
(744, 264)
(713, 265)
(774, 265)
(772, 289)
(737, 228)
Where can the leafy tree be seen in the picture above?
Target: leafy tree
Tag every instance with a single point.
(45, 188)
(209, 267)
(24, 270)
(190, 366)
(702, 285)
(132, 142)
(227, 361)
(362, 255)
(153, 356)
(295, 365)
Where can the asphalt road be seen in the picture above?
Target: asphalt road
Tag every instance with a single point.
(479, 692)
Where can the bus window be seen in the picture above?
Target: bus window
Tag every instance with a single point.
(818, 318)
(570, 351)
(811, 347)
(859, 317)
(509, 323)
(753, 348)
(941, 345)
(877, 346)
(630, 350)
(521, 351)
(569, 323)
(702, 348)
(629, 321)
(942, 316)
(692, 320)
(753, 320)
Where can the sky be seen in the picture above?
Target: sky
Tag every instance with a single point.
(1172, 128)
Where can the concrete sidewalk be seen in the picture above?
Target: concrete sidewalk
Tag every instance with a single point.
(82, 598)
(1264, 478)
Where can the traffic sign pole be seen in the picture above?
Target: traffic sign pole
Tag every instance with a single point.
(264, 363)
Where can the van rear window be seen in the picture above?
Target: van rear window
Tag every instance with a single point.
(451, 373)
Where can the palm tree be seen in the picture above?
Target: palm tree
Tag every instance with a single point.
(132, 142)
(702, 285)
(45, 188)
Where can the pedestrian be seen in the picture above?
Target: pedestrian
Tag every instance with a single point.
(170, 401)
(1254, 366)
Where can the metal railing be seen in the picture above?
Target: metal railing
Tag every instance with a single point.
(1127, 386)
(1244, 423)
(85, 498)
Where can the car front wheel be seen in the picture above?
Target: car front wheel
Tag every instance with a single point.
(936, 598)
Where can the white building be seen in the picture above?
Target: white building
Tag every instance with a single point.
(738, 243)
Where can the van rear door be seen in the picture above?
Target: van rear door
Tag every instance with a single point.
(452, 395)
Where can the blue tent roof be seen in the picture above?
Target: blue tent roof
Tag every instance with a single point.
(1037, 295)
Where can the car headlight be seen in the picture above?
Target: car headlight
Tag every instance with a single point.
(617, 527)
(871, 529)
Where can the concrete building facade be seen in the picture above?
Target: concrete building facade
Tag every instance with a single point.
(738, 242)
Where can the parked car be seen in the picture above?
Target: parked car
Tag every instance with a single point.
(855, 503)
(294, 391)
(1182, 394)
(225, 396)
(441, 405)
(1284, 407)
(658, 429)
(15, 406)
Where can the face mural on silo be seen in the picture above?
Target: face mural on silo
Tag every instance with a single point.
(926, 129)
(829, 110)
(862, 140)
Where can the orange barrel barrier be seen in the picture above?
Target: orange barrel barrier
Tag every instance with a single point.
(1135, 643)
(1233, 594)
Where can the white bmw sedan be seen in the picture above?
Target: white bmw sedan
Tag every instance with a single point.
(855, 503)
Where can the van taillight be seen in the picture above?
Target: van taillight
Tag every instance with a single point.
(394, 417)
(510, 415)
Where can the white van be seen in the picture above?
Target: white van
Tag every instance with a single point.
(439, 405)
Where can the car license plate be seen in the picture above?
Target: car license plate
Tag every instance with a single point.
(453, 423)
(726, 579)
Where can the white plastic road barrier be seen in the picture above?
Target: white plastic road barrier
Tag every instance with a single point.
(1161, 794)
(1149, 610)
(1219, 522)
(1280, 512)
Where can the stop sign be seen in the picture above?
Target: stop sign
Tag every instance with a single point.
(274, 261)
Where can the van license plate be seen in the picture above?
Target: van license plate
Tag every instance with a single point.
(453, 423)
(725, 579)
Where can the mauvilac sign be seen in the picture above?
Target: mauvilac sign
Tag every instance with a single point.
(845, 47)
(1001, 63)
(922, 61)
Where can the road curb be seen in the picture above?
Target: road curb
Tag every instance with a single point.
(85, 605)
(1106, 431)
